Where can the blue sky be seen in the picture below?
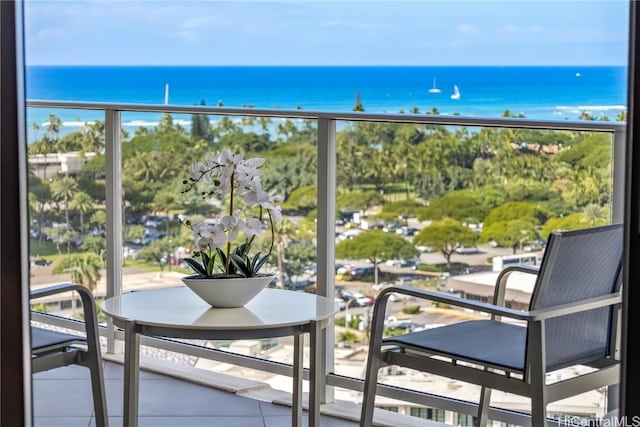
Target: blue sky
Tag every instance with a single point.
(445, 32)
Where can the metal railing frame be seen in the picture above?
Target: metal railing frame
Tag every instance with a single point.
(326, 175)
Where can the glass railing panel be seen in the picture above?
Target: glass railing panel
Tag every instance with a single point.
(66, 204)
(445, 208)
(157, 159)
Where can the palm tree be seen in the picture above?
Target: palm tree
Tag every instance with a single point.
(98, 219)
(41, 191)
(82, 203)
(53, 127)
(35, 127)
(285, 231)
(92, 137)
(166, 202)
(62, 190)
(85, 269)
(265, 122)
(596, 214)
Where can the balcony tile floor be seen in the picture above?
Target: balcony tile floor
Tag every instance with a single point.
(62, 398)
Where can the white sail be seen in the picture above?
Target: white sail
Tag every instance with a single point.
(456, 92)
(434, 89)
(166, 94)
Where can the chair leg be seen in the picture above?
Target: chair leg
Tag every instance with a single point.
(98, 391)
(483, 407)
(369, 394)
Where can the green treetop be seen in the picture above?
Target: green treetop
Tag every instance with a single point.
(377, 246)
(445, 235)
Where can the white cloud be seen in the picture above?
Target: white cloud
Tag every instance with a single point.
(465, 28)
(340, 23)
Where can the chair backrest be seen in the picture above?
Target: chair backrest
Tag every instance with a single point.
(578, 265)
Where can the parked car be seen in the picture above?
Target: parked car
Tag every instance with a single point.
(467, 250)
(398, 262)
(39, 262)
(393, 322)
(360, 300)
(406, 231)
(406, 280)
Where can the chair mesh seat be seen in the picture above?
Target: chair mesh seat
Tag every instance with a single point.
(471, 341)
(45, 339)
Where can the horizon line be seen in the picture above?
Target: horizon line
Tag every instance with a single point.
(329, 65)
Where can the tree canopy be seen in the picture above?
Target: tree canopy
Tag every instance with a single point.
(445, 235)
(377, 246)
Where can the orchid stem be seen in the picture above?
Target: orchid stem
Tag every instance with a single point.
(228, 263)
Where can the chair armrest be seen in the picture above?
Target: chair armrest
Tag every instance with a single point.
(501, 281)
(57, 289)
(453, 300)
(529, 316)
(575, 307)
(88, 308)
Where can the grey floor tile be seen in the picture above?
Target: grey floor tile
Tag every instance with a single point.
(164, 401)
(336, 422)
(71, 372)
(272, 409)
(115, 397)
(194, 422)
(173, 397)
(115, 371)
(53, 398)
(168, 396)
(281, 421)
(61, 422)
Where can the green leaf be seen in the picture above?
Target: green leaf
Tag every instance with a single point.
(241, 265)
(260, 263)
(205, 258)
(210, 265)
(253, 263)
(195, 266)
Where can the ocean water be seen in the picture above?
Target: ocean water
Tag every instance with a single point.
(537, 92)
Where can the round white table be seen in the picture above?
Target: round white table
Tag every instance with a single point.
(178, 313)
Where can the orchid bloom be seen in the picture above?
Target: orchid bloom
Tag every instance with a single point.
(273, 205)
(233, 225)
(207, 235)
(253, 227)
(250, 167)
(254, 195)
(233, 176)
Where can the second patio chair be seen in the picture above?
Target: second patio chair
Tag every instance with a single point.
(53, 349)
(571, 321)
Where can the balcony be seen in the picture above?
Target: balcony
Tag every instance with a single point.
(63, 398)
(343, 366)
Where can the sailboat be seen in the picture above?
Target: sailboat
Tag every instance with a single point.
(456, 92)
(166, 94)
(434, 89)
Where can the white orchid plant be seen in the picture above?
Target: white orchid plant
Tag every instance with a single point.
(223, 245)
